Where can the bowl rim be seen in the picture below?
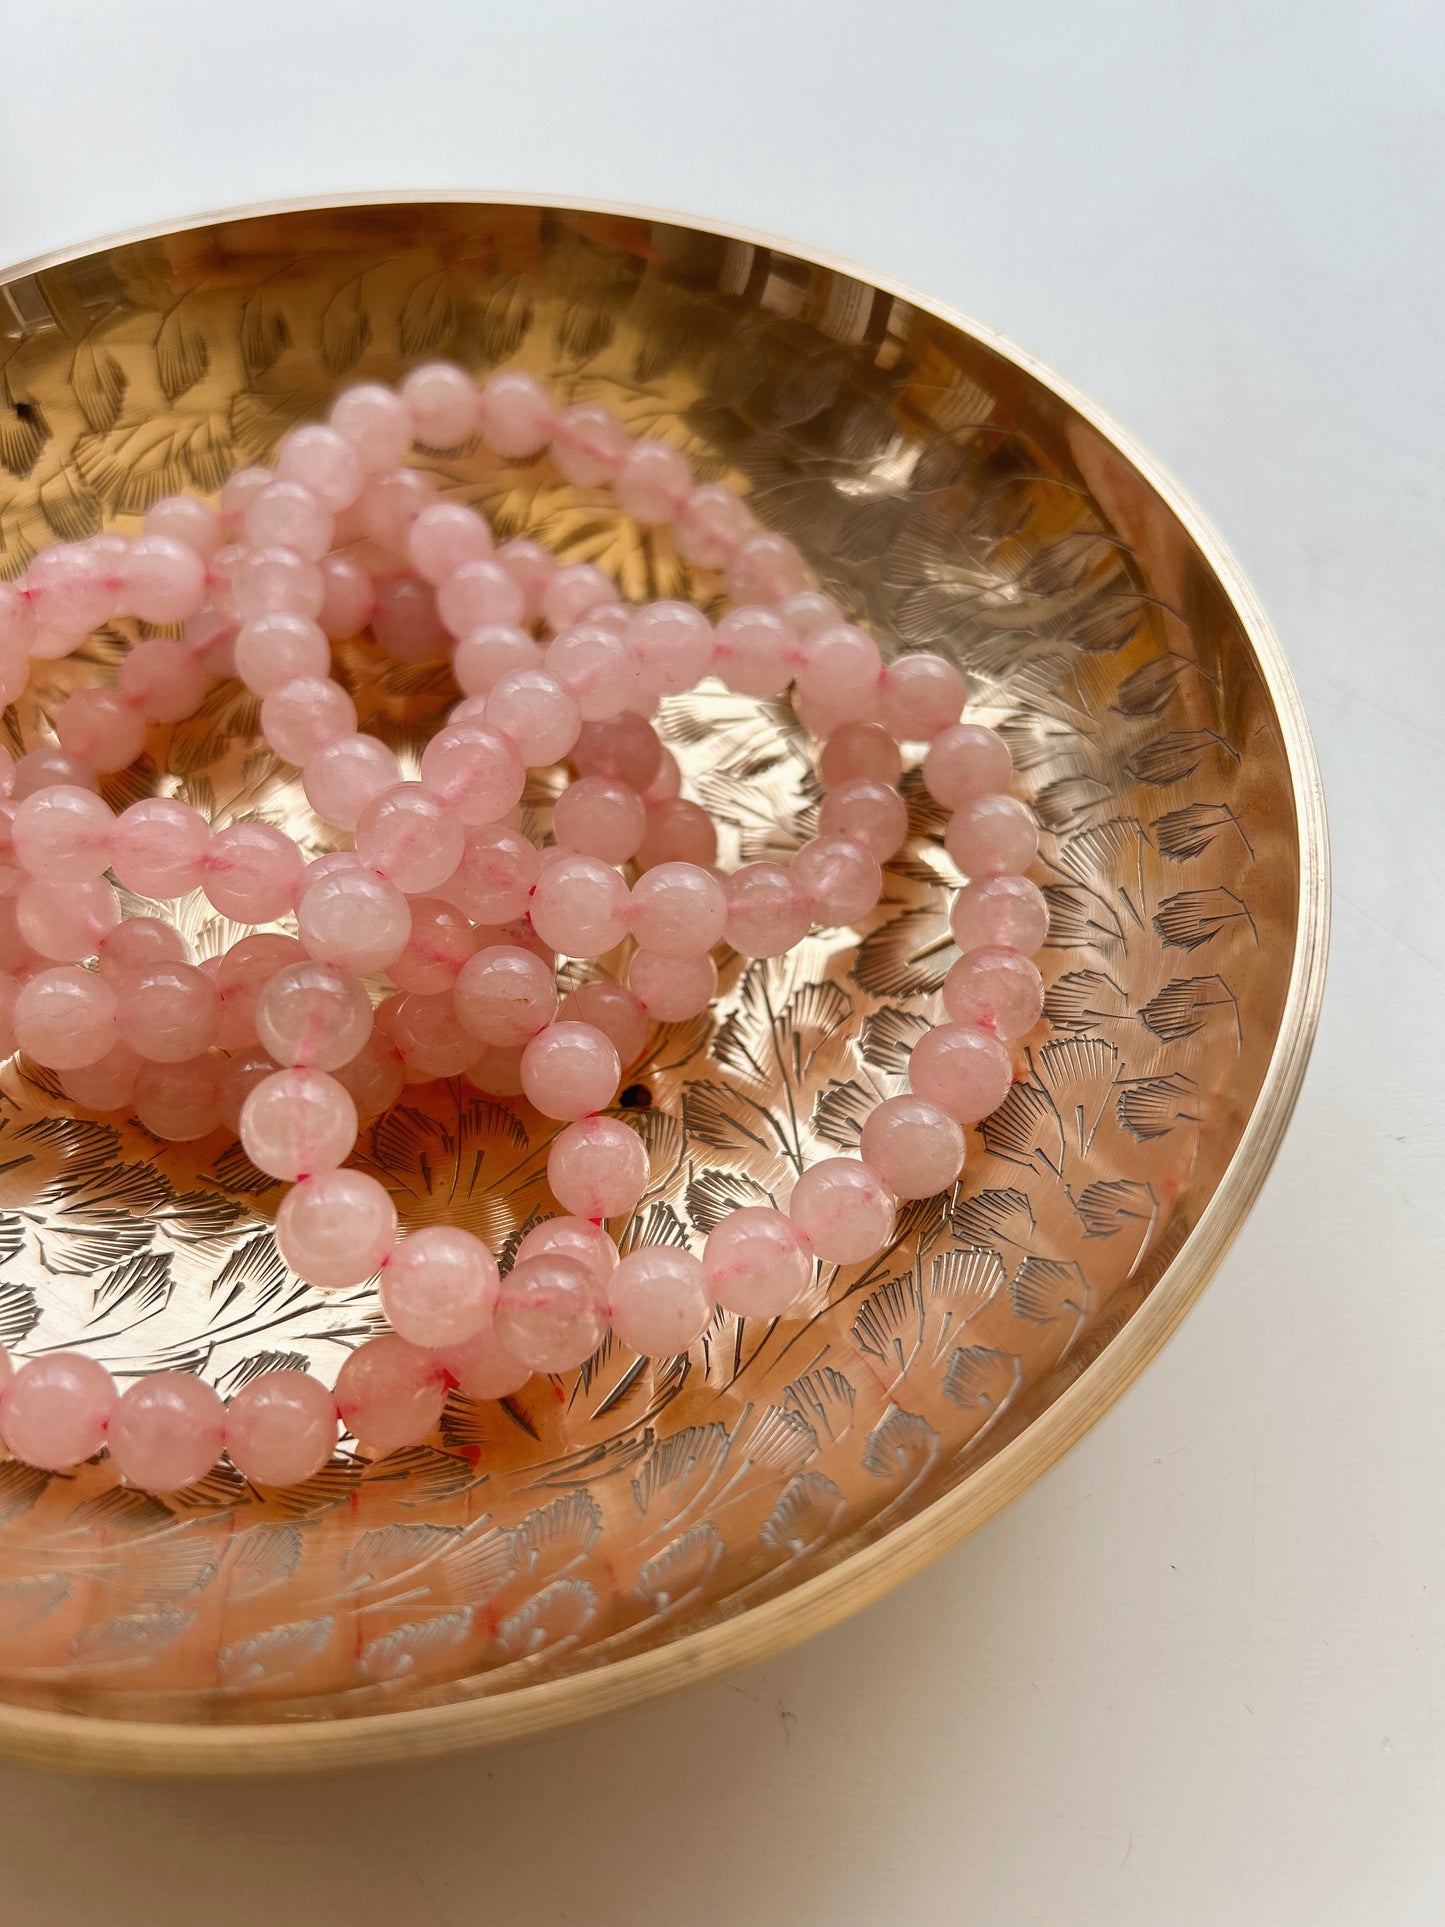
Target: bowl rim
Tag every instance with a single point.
(138, 1748)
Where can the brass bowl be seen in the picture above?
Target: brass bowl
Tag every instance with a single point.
(600, 1539)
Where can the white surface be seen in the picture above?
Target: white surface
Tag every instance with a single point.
(1196, 1675)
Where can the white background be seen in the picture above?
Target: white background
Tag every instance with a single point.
(1198, 1673)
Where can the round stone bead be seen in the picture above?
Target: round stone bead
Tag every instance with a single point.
(167, 1430)
(587, 1244)
(873, 814)
(281, 1428)
(56, 1410)
(322, 461)
(570, 1071)
(337, 1229)
(612, 1010)
(444, 405)
(672, 989)
(65, 1017)
(474, 772)
(390, 1394)
(264, 581)
(766, 913)
(920, 696)
(595, 667)
(391, 502)
(965, 761)
(406, 621)
(658, 1301)
(238, 491)
(756, 1263)
(242, 976)
(839, 880)
(992, 836)
(600, 818)
(100, 729)
(242, 1071)
(108, 1084)
(589, 444)
(1007, 911)
(652, 481)
(288, 516)
(344, 776)
(844, 1210)
(672, 644)
(666, 786)
(63, 834)
(493, 882)
(168, 1012)
(251, 872)
(66, 921)
(298, 1124)
(860, 753)
(764, 568)
(753, 652)
(709, 524)
(842, 669)
(163, 580)
(313, 1016)
(516, 414)
(431, 1037)
(180, 1102)
(483, 1367)
(532, 568)
(38, 769)
(354, 919)
(597, 1168)
(623, 748)
(187, 519)
(548, 1313)
(573, 593)
(677, 832)
(496, 1070)
(478, 593)
(375, 1077)
(997, 989)
(537, 712)
(348, 596)
(407, 836)
(505, 995)
(276, 649)
(441, 941)
(483, 657)
(915, 1148)
(440, 1286)
(158, 847)
(963, 1070)
(580, 906)
(162, 680)
(678, 910)
(304, 715)
(376, 422)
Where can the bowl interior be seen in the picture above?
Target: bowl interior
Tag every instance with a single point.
(953, 500)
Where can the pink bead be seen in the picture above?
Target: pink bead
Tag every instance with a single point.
(267, 581)
(158, 847)
(251, 872)
(623, 748)
(108, 1084)
(580, 906)
(539, 715)
(313, 1016)
(298, 1124)
(240, 1074)
(168, 1012)
(476, 594)
(677, 832)
(505, 995)
(964, 762)
(440, 943)
(497, 1070)
(304, 715)
(678, 910)
(281, 1428)
(40, 769)
(391, 503)
(406, 621)
(753, 652)
(573, 593)
(439, 1287)
(915, 1148)
(99, 727)
(860, 752)
(1008, 911)
(56, 1410)
(992, 836)
(672, 646)
(595, 667)
(409, 837)
(597, 1168)
(347, 596)
(444, 405)
(844, 1210)
(493, 882)
(166, 1431)
(375, 1077)
(209, 638)
(589, 444)
(963, 1070)
(548, 1313)
(164, 579)
(63, 834)
(376, 422)
(474, 773)
(390, 1394)
(242, 976)
(14, 670)
(354, 919)
(839, 880)
(343, 777)
(162, 680)
(202, 630)
(842, 668)
(180, 1102)
(756, 1264)
(237, 494)
(709, 525)
(431, 1037)
(764, 568)
(599, 818)
(287, 516)
(516, 414)
(66, 921)
(17, 623)
(766, 914)
(612, 1010)
(336, 1230)
(70, 592)
(483, 1368)
(873, 814)
(323, 461)
(576, 1239)
(652, 482)
(183, 518)
(570, 1071)
(997, 989)
(531, 567)
(672, 989)
(277, 648)
(659, 1301)
(482, 658)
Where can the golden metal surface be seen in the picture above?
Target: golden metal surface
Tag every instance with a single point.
(602, 1538)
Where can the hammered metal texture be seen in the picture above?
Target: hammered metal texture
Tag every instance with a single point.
(950, 501)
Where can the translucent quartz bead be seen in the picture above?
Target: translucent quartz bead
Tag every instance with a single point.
(137, 944)
(56, 1410)
(915, 1148)
(992, 836)
(677, 832)
(277, 648)
(474, 772)
(597, 1168)
(483, 657)
(589, 444)
(17, 623)
(666, 786)
(839, 880)
(238, 491)
(69, 592)
(409, 837)
(251, 872)
(162, 680)
(541, 716)
(348, 596)
(1009, 911)
(505, 995)
(99, 728)
(241, 977)
(166, 1431)
(478, 593)
(570, 1070)
(672, 989)
(313, 1016)
(652, 482)
(168, 1012)
(304, 715)
(185, 518)
(623, 748)
(997, 989)
(580, 906)
(860, 753)
(516, 414)
(873, 814)
(497, 1070)
(966, 761)
(391, 502)
(575, 592)
(441, 940)
(376, 422)
(267, 580)
(440, 1286)
(766, 913)
(658, 1301)
(180, 1102)
(678, 910)
(920, 696)
(375, 1077)
(709, 525)
(483, 1367)
(108, 1084)
(63, 834)
(210, 638)
(753, 651)
(336, 1230)
(844, 1210)
(406, 621)
(390, 1394)
(444, 405)
(531, 567)
(612, 1010)
(281, 1428)
(38, 769)
(963, 1070)
(493, 882)
(298, 1124)
(756, 1263)
(323, 461)
(842, 668)
(66, 921)
(287, 516)
(595, 667)
(548, 1313)
(599, 818)
(242, 1071)
(65, 1017)
(672, 646)
(431, 1037)
(341, 779)
(578, 1239)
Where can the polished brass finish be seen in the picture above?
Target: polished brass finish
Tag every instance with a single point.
(599, 1540)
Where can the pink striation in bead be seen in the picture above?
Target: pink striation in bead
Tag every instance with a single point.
(595, 667)
(1009, 911)
(137, 944)
(242, 1071)
(921, 695)
(997, 989)
(992, 836)
(531, 567)
(597, 1168)
(38, 769)
(766, 913)
(431, 1037)
(237, 494)
(580, 906)
(281, 1428)
(859, 753)
(313, 1016)
(166, 1431)
(915, 1148)
(108, 1084)
(505, 995)
(56, 1410)
(265, 581)
(612, 1010)
(304, 715)
(548, 1313)
(390, 1394)
(838, 879)
(348, 597)
(376, 422)
(158, 847)
(678, 910)
(409, 837)
(493, 882)
(659, 1301)
(440, 943)
(652, 482)
(516, 415)
(537, 712)
(589, 444)
(277, 648)
(756, 1264)
(184, 518)
(964, 762)
(753, 652)
(764, 568)
(474, 772)
(672, 989)
(341, 779)
(963, 1070)
(375, 1077)
(100, 729)
(443, 403)
(251, 872)
(162, 680)
(323, 461)
(65, 1018)
(63, 834)
(600, 818)
(241, 977)
(337, 1229)
(672, 647)
(570, 1070)
(587, 1244)
(180, 1102)
(873, 814)
(440, 1286)
(709, 525)
(298, 1124)
(66, 921)
(168, 1012)
(844, 1210)
(483, 1367)
(390, 504)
